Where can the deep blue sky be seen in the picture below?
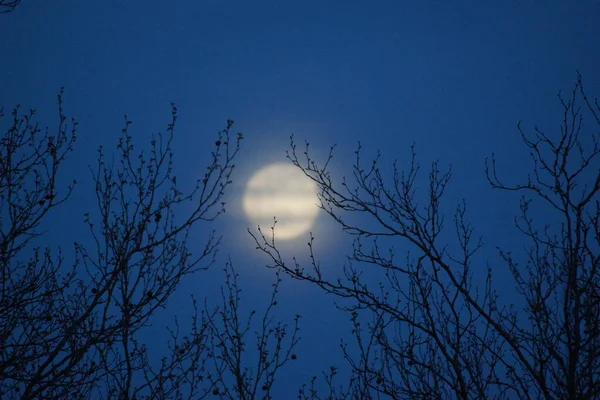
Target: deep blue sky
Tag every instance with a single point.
(453, 76)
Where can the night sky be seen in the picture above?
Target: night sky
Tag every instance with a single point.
(453, 77)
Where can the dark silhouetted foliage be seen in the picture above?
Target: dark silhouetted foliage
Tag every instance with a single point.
(75, 330)
(8, 5)
(430, 323)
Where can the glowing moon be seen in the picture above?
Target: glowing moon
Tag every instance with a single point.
(284, 192)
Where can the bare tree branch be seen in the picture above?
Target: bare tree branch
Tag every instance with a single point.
(7, 6)
(432, 324)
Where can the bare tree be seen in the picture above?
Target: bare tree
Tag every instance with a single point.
(75, 329)
(7, 6)
(430, 324)
(241, 372)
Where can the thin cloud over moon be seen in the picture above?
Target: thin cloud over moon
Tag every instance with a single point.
(282, 191)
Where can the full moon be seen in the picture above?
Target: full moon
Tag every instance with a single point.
(283, 192)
